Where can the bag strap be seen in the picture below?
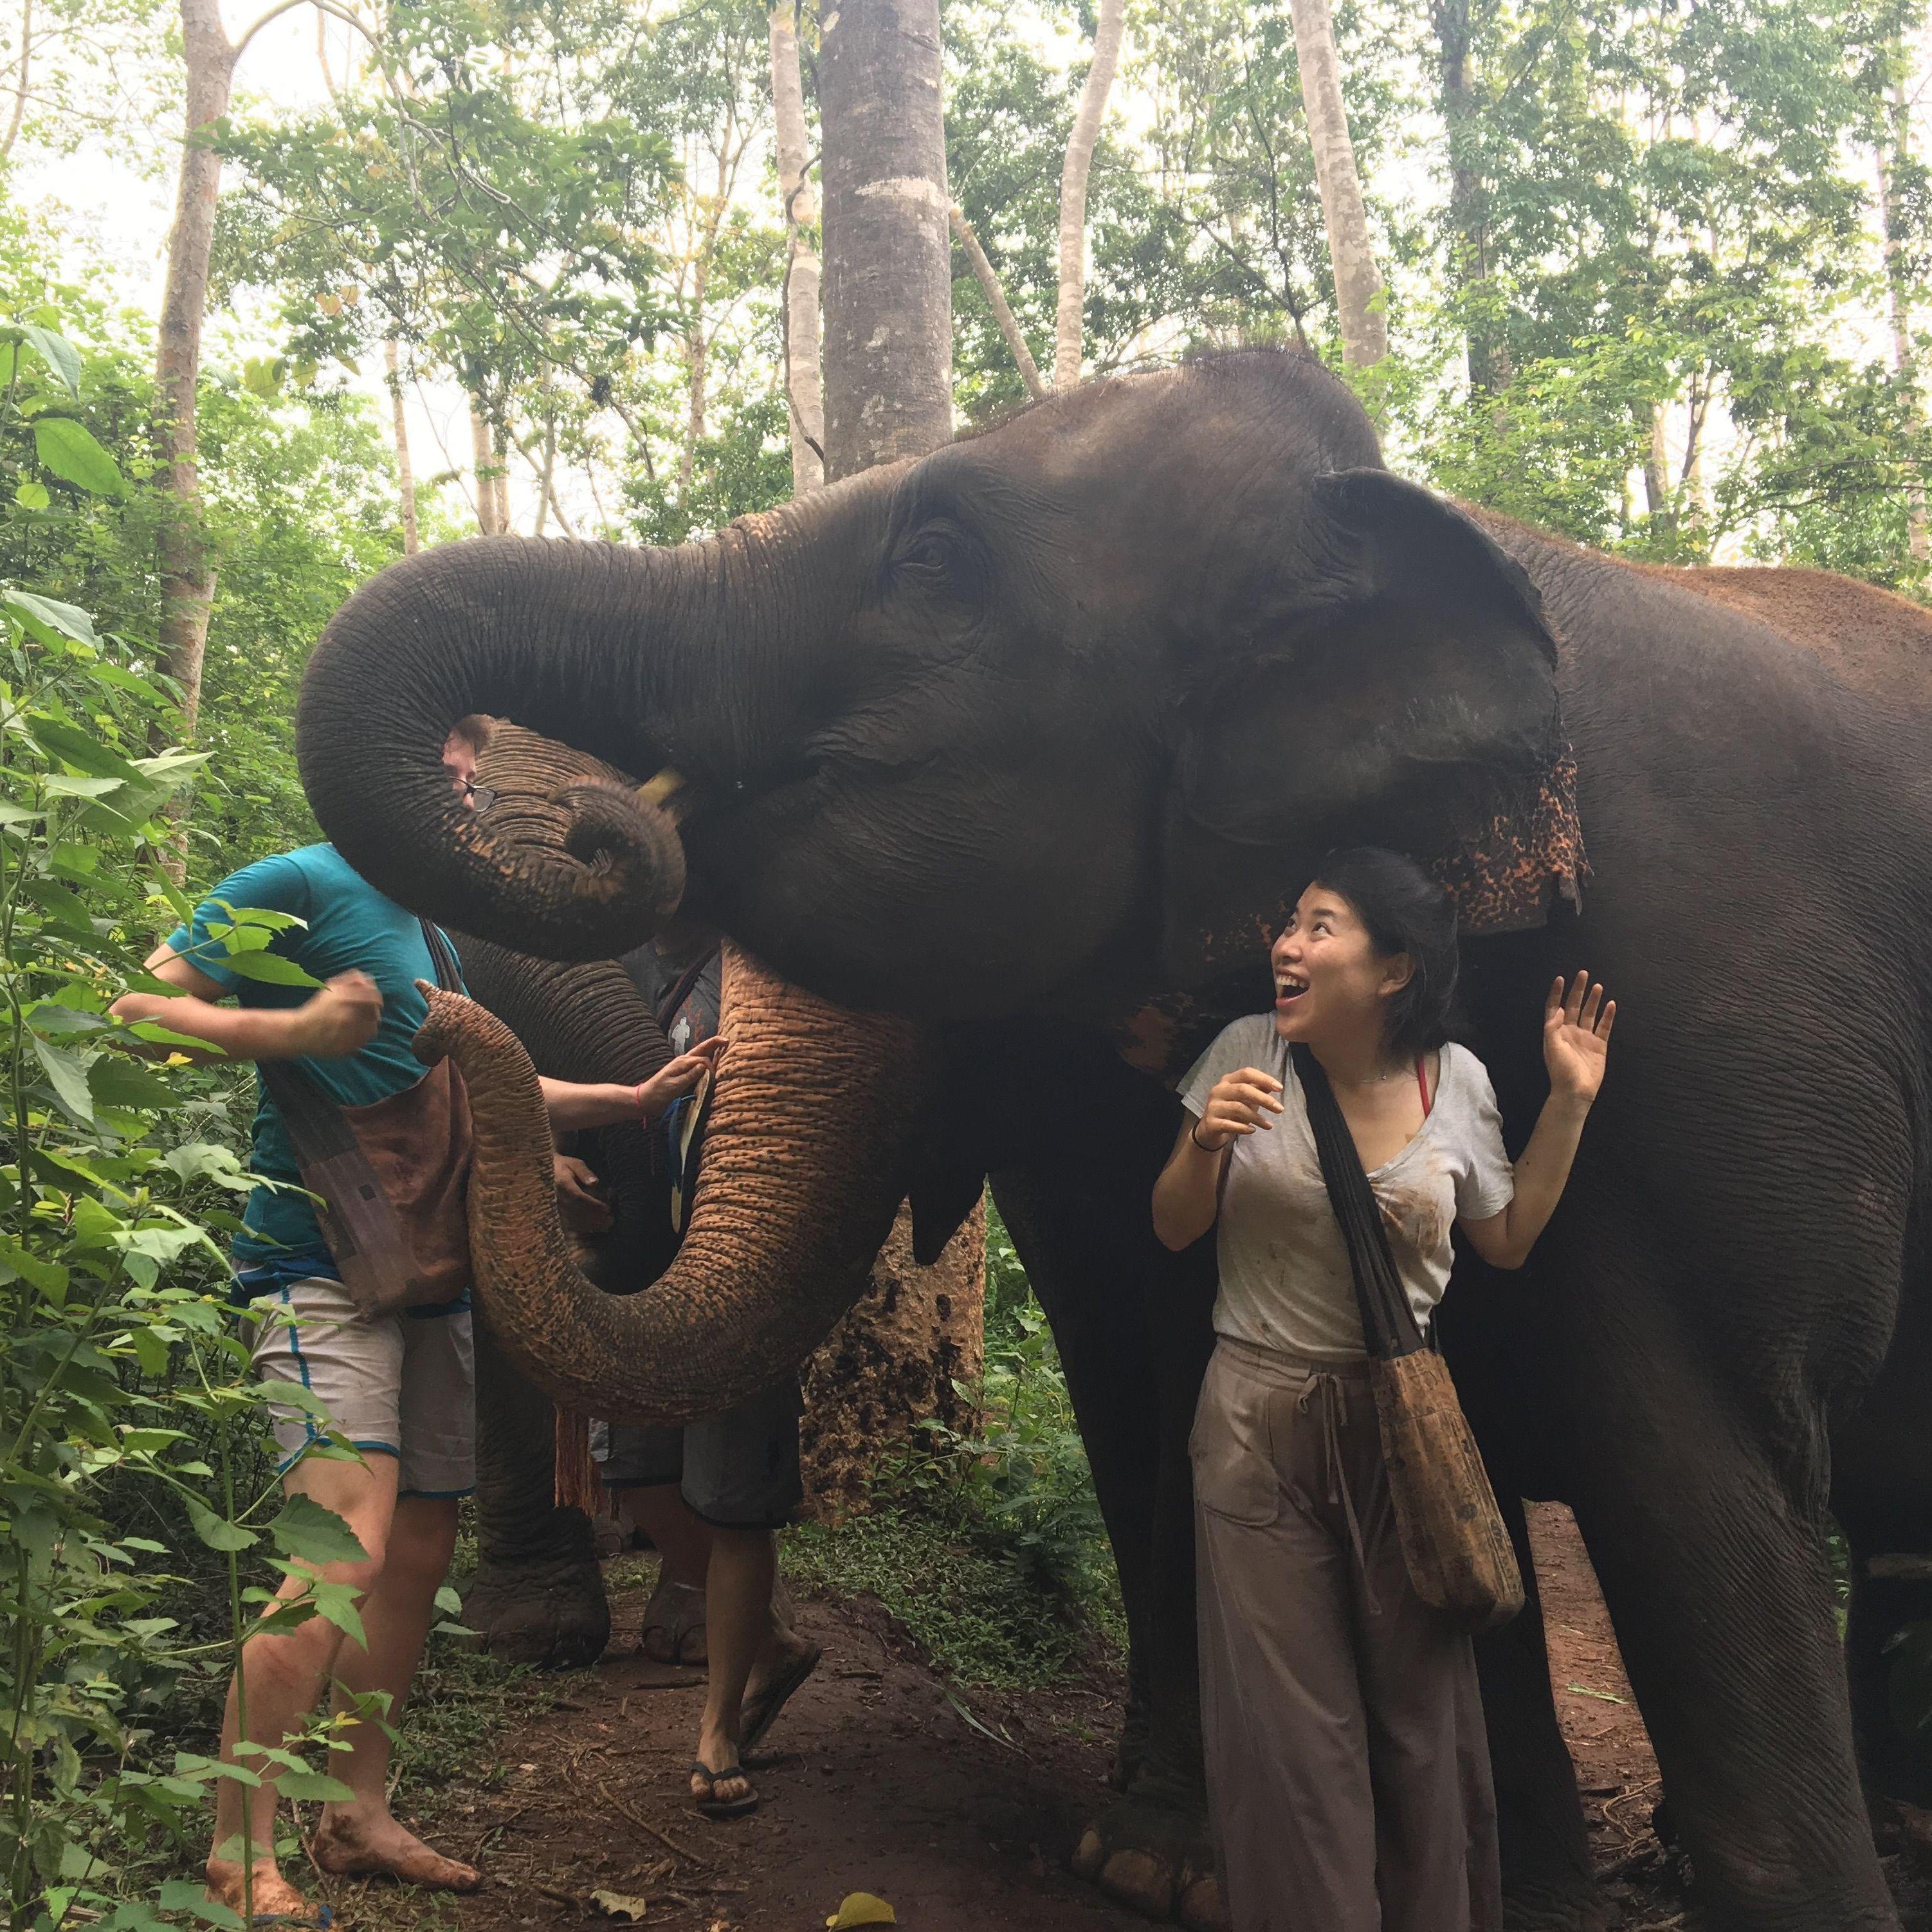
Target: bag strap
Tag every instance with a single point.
(1389, 1327)
(680, 991)
(448, 974)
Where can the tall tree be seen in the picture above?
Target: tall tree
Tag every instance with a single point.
(1901, 181)
(1488, 347)
(1358, 282)
(805, 395)
(406, 478)
(1070, 317)
(896, 1357)
(888, 289)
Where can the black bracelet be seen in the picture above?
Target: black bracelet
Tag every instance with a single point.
(1194, 1135)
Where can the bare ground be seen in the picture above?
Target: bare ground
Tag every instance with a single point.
(958, 1808)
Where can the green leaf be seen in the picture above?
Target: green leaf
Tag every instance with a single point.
(50, 1277)
(116, 1082)
(57, 353)
(32, 496)
(80, 749)
(216, 1533)
(67, 447)
(270, 967)
(67, 1074)
(313, 1784)
(307, 1531)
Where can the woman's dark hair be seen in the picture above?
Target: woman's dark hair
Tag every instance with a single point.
(1405, 911)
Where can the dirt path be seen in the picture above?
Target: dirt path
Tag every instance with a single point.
(877, 1780)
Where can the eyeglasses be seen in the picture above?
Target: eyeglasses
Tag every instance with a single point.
(480, 797)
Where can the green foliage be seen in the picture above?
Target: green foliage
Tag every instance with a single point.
(121, 1382)
(987, 1546)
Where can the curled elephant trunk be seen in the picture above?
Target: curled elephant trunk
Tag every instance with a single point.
(635, 656)
(803, 1170)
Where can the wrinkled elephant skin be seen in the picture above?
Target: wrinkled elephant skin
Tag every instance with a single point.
(1031, 740)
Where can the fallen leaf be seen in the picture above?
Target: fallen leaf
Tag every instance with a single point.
(1602, 1697)
(861, 1908)
(621, 1905)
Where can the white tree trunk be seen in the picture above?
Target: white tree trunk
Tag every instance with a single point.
(1070, 318)
(486, 466)
(1358, 282)
(804, 390)
(406, 479)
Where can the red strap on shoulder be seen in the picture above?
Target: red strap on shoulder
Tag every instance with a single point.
(1422, 1081)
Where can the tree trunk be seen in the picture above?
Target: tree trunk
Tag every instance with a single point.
(1469, 265)
(988, 277)
(805, 393)
(1358, 283)
(1657, 466)
(1894, 148)
(888, 267)
(21, 81)
(406, 479)
(891, 1362)
(490, 519)
(1070, 318)
(187, 571)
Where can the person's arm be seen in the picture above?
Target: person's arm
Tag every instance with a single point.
(605, 1103)
(341, 1017)
(1575, 1046)
(1187, 1196)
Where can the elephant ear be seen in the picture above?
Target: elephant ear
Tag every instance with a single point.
(1388, 679)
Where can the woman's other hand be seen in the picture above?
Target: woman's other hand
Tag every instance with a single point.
(677, 1078)
(1237, 1103)
(583, 1212)
(1576, 1023)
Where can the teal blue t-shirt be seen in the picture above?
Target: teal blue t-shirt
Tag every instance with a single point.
(350, 926)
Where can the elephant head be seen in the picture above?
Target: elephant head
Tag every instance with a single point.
(1054, 719)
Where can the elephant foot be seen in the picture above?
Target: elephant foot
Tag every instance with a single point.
(1154, 1860)
(551, 1614)
(673, 1631)
(1570, 1911)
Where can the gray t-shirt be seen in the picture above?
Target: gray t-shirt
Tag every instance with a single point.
(1285, 1279)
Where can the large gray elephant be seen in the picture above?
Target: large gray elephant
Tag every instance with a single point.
(1024, 746)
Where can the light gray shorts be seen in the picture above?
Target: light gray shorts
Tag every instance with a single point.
(404, 1385)
(739, 1470)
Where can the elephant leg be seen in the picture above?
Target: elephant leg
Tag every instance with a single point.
(1131, 1324)
(537, 1596)
(1719, 1586)
(1546, 1849)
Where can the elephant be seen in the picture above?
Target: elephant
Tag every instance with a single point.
(537, 1596)
(1008, 759)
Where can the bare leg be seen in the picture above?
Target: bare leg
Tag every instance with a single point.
(740, 1634)
(280, 1681)
(682, 1538)
(361, 1837)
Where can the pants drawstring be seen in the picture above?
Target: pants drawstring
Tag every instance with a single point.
(1334, 1405)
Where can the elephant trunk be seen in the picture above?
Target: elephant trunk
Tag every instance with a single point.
(803, 1169)
(689, 659)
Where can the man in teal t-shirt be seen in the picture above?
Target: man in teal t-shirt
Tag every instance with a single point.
(400, 1388)
(348, 930)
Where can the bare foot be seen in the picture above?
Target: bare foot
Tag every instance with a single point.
(272, 1895)
(355, 1845)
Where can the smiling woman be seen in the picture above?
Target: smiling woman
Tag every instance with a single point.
(1306, 1601)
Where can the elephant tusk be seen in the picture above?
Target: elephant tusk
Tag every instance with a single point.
(657, 790)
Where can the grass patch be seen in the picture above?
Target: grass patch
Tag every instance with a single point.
(969, 1605)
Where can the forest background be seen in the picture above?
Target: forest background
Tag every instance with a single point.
(1652, 276)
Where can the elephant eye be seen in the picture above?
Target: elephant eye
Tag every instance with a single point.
(936, 557)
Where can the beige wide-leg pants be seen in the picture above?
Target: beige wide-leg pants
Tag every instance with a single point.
(1348, 1770)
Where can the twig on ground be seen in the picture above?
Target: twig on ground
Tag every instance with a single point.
(1629, 1862)
(663, 1838)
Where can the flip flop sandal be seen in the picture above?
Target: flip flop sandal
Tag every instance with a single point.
(675, 1611)
(760, 1712)
(711, 1806)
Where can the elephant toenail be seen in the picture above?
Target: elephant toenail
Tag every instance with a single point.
(1141, 1882)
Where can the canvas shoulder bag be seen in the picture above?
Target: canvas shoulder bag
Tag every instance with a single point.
(1458, 1554)
(392, 1177)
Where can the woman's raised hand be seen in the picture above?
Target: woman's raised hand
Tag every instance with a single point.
(1576, 1023)
(1237, 1103)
